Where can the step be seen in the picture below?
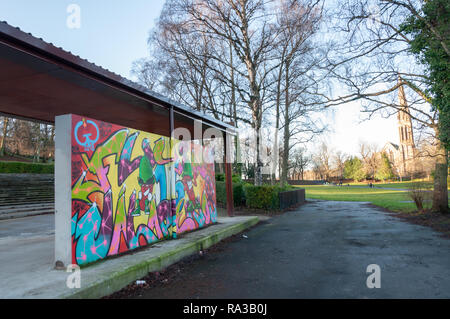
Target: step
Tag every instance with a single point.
(26, 214)
(46, 204)
(30, 182)
(24, 187)
(22, 197)
(6, 196)
(35, 191)
(25, 208)
(47, 200)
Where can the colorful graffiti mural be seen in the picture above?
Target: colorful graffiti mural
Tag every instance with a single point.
(128, 191)
(195, 188)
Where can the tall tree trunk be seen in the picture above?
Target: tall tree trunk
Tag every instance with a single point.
(285, 166)
(255, 96)
(275, 146)
(259, 164)
(233, 113)
(277, 125)
(255, 104)
(52, 139)
(36, 129)
(5, 131)
(440, 192)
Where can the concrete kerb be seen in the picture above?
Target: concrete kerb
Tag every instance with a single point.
(115, 281)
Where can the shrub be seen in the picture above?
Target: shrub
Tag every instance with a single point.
(262, 197)
(221, 192)
(238, 193)
(236, 178)
(418, 192)
(21, 167)
(220, 177)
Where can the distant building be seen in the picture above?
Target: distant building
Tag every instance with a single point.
(402, 156)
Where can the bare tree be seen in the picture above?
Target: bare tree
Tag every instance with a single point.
(237, 59)
(246, 25)
(300, 161)
(221, 53)
(370, 156)
(323, 161)
(372, 61)
(299, 22)
(339, 159)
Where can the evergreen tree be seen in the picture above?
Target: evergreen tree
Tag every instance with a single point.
(384, 171)
(354, 169)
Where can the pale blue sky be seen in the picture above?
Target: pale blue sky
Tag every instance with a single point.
(114, 33)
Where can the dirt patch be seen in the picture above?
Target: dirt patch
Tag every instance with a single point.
(437, 221)
(173, 272)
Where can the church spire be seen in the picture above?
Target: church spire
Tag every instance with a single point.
(404, 118)
(406, 147)
(401, 95)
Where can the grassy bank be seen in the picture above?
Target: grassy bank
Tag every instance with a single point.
(394, 200)
(29, 168)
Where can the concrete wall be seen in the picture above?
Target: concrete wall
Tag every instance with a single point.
(126, 190)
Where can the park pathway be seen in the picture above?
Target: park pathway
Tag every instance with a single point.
(321, 250)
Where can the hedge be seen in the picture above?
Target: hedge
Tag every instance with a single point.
(263, 197)
(220, 177)
(21, 167)
(238, 193)
(260, 197)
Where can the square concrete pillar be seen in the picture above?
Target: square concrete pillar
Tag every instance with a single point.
(63, 191)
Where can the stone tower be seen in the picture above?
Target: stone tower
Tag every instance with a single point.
(406, 147)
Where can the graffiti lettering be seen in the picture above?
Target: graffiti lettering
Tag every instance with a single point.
(122, 197)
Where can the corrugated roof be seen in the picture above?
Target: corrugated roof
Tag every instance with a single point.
(15, 34)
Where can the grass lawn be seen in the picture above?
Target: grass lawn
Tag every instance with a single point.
(400, 185)
(392, 200)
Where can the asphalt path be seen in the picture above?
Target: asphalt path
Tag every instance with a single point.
(321, 250)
